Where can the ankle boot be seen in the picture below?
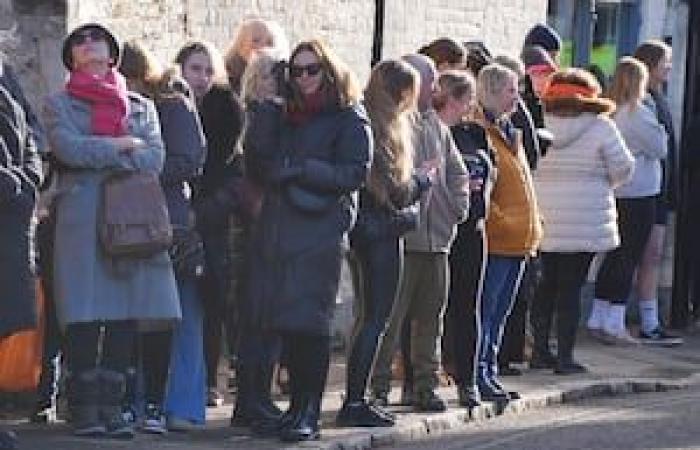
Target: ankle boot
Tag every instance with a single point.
(113, 388)
(83, 403)
(305, 426)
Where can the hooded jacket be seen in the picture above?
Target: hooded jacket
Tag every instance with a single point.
(575, 181)
(446, 203)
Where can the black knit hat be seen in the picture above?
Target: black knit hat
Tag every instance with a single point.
(534, 55)
(544, 36)
(114, 48)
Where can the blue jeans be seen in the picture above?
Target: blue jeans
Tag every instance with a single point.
(185, 397)
(501, 282)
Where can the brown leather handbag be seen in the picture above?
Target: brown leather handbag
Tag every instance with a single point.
(134, 219)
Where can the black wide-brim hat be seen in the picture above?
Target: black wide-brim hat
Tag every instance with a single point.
(114, 48)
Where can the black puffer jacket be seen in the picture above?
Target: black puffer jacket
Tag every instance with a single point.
(311, 174)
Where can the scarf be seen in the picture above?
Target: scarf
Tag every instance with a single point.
(504, 125)
(312, 105)
(107, 97)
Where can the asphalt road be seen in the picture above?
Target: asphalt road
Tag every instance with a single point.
(668, 421)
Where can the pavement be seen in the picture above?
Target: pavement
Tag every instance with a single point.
(612, 371)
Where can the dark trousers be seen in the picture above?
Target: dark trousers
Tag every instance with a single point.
(213, 288)
(636, 217)
(108, 345)
(379, 268)
(155, 352)
(513, 347)
(308, 362)
(462, 317)
(559, 292)
(50, 362)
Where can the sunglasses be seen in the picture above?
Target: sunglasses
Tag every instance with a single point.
(94, 34)
(311, 69)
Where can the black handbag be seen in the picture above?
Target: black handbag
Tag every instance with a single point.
(187, 252)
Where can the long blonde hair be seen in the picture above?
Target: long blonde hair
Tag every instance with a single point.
(629, 82)
(390, 96)
(261, 65)
(235, 62)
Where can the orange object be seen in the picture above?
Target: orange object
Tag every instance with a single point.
(20, 354)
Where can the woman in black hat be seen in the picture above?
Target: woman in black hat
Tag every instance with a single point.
(96, 127)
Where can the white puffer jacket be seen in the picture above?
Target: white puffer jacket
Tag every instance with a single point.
(575, 180)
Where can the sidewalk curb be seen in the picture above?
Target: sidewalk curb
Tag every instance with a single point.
(414, 426)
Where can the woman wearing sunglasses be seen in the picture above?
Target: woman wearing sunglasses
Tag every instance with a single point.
(310, 169)
(96, 127)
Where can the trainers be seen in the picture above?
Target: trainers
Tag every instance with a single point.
(660, 337)
(362, 414)
(429, 401)
(214, 398)
(154, 420)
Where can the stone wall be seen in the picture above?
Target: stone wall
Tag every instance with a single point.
(346, 24)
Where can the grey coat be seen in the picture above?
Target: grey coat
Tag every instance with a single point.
(88, 285)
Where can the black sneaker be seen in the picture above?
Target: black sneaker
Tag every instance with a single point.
(660, 337)
(428, 401)
(468, 397)
(569, 368)
(361, 414)
(541, 360)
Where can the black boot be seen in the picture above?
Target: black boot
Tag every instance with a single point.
(83, 402)
(567, 325)
(254, 404)
(305, 426)
(113, 388)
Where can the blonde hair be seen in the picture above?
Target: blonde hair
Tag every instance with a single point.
(339, 81)
(235, 62)
(490, 83)
(453, 84)
(261, 65)
(390, 95)
(629, 82)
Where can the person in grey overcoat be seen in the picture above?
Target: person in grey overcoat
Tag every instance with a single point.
(96, 127)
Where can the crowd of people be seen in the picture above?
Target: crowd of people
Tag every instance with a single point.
(466, 191)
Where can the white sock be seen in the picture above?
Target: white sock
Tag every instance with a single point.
(615, 319)
(599, 311)
(649, 312)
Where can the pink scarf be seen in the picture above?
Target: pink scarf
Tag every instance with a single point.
(108, 98)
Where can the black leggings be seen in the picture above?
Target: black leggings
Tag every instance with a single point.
(82, 344)
(379, 270)
(462, 317)
(563, 274)
(635, 220)
(309, 359)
